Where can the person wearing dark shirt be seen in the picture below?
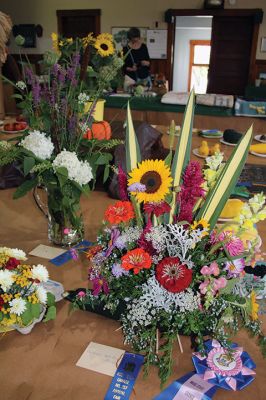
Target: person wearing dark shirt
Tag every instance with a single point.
(137, 61)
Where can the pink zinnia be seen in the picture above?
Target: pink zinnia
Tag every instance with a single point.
(233, 244)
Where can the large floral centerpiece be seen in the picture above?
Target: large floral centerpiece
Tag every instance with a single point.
(53, 151)
(23, 297)
(162, 256)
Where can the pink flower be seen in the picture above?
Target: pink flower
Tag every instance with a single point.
(203, 286)
(81, 294)
(219, 283)
(66, 231)
(99, 285)
(122, 183)
(213, 269)
(232, 243)
(235, 268)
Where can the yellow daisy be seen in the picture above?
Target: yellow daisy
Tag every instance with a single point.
(254, 306)
(201, 224)
(156, 176)
(104, 45)
(89, 39)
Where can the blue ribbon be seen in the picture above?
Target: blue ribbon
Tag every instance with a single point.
(241, 380)
(63, 258)
(125, 377)
(171, 391)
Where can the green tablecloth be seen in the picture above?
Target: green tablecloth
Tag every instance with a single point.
(154, 104)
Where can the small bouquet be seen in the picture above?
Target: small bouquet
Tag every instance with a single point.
(162, 258)
(23, 297)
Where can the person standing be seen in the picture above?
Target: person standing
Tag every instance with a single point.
(137, 60)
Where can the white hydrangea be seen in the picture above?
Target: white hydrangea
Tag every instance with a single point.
(6, 279)
(41, 294)
(17, 306)
(78, 171)
(21, 85)
(16, 253)
(40, 273)
(40, 145)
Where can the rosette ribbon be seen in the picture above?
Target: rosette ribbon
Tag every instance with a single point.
(231, 370)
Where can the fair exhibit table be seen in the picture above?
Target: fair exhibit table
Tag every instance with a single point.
(41, 365)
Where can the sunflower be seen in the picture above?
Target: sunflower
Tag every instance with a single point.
(89, 39)
(104, 45)
(156, 177)
(202, 225)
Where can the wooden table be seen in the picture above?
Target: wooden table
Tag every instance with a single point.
(41, 365)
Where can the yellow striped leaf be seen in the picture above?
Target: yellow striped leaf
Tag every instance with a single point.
(217, 197)
(132, 147)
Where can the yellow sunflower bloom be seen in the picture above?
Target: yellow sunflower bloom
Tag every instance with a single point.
(156, 176)
(254, 306)
(54, 37)
(89, 39)
(201, 224)
(104, 45)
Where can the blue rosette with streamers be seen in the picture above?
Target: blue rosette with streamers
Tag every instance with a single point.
(231, 370)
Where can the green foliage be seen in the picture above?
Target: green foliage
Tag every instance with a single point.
(25, 187)
(50, 314)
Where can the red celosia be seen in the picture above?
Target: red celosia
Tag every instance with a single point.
(93, 251)
(172, 275)
(12, 263)
(122, 183)
(157, 208)
(191, 190)
(121, 211)
(144, 243)
(137, 260)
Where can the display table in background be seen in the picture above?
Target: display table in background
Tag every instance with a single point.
(152, 111)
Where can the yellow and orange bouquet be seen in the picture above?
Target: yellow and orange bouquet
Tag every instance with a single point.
(23, 297)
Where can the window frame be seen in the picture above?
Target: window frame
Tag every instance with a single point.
(192, 44)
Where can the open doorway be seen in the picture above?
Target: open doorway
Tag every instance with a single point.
(192, 53)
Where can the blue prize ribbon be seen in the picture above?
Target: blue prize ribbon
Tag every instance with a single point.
(125, 377)
(203, 393)
(65, 257)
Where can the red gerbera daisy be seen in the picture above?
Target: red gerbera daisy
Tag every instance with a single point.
(136, 259)
(121, 211)
(172, 275)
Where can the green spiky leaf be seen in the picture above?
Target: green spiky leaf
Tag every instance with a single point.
(132, 147)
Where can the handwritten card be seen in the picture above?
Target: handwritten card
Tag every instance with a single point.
(48, 252)
(100, 358)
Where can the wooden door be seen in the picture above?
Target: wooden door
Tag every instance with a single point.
(231, 45)
(78, 23)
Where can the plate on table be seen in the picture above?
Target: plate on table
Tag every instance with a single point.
(209, 135)
(227, 143)
(197, 153)
(2, 130)
(258, 138)
(257, 154)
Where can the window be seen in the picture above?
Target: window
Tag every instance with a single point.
(199, 65)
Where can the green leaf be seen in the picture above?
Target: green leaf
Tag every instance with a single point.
(51, 314)
(27, 316)
(1, 316)
(35, 310)
(17, 96)
(103, 159)
(168, 159)
(28, 164)
(106, 173)
(50, 299)
(62, 175)
(219, 194)
(133, 156)
(25, 188)
(229, 287)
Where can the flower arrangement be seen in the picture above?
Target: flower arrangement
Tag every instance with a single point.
(23, 298)
(53, 151)
(162, 257)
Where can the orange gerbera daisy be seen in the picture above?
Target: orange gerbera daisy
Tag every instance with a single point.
(121, 211)
(137, 260)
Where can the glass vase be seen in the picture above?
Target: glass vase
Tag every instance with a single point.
(65, 222)
(62, 209)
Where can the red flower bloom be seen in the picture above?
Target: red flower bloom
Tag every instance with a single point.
(172, 275)
(157, 208)
(121, 211)
(93, 251)
(136, 259)
(12, 263)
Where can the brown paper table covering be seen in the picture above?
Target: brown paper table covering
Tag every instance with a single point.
(41, 365)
